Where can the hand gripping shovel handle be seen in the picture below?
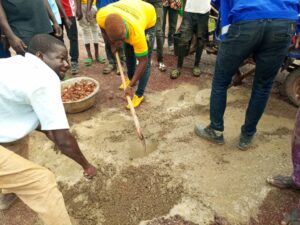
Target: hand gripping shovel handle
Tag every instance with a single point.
(132, 110)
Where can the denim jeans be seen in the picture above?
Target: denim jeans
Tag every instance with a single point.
(268, 41)
(173, 15)
(131, 61)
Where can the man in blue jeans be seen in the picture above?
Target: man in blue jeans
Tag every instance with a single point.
(264, 29)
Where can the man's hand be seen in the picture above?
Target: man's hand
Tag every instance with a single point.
(89, 15)
(67, 22)
(114, 48)
(17, 44)
(57, 30)
(68, 146)
(90, 172)
(129, 91)
(78, 14)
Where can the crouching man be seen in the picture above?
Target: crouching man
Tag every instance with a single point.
(131, 22)
(30, 99)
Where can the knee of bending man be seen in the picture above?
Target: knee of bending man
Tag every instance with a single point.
(47, 179)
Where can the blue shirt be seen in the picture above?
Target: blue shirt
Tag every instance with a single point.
(55, 11)
(232, 11)
(102, 3)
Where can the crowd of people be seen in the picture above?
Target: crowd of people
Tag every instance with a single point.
(34, 30)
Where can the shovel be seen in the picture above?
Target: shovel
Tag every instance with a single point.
(132, 110)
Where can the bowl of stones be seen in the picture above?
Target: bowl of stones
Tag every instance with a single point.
(79, 94)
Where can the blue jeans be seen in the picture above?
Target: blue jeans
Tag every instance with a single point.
(72, 34)
(131, 61)
(268, 41)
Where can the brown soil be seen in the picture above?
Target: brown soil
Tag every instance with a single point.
(182, 179)
(137, 193)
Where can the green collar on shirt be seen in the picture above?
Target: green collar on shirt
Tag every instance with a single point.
(127, 31)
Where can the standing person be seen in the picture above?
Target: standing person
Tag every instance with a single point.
(20, 20)
(56, 8)
(170, 8)
(89, 28)
(293, 181)
(132, 22)
(110, 56)
(194, 21)
(159, 33)
(24, 107)
(264, 29)
(72, 32)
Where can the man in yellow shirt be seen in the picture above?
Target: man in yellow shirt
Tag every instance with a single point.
(132, 22)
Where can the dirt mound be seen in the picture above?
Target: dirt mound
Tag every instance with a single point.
(174, 220)
(133, 195)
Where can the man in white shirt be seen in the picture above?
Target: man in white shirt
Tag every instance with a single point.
(30, 100)
(194, 21)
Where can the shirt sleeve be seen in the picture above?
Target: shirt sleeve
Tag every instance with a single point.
(139, 44)
(46, 102)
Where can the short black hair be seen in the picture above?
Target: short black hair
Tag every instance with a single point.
(43, 43)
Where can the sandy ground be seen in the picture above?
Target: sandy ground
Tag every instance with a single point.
(181, 179)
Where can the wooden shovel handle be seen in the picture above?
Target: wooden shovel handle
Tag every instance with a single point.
(132, 110)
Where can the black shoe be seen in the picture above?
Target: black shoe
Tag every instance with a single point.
(6, 200)
(74, 68)
(245, 142)
(209, 134)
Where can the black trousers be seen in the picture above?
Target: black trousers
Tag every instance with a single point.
(72, 34)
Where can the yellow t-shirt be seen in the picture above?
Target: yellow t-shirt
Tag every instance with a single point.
(84, 2)
(138, 17)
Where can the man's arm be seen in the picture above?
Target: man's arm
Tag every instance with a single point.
(68, 145)
(67, 21)
(56, 27)
(78, 10)
(88, 14)
(15, 42)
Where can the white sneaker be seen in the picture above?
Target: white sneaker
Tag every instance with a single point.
(162, 67)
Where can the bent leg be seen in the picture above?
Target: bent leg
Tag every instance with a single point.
(145, 77)
(34, 185)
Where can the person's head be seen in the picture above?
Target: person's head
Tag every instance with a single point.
(115, 29)
(52, 51)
